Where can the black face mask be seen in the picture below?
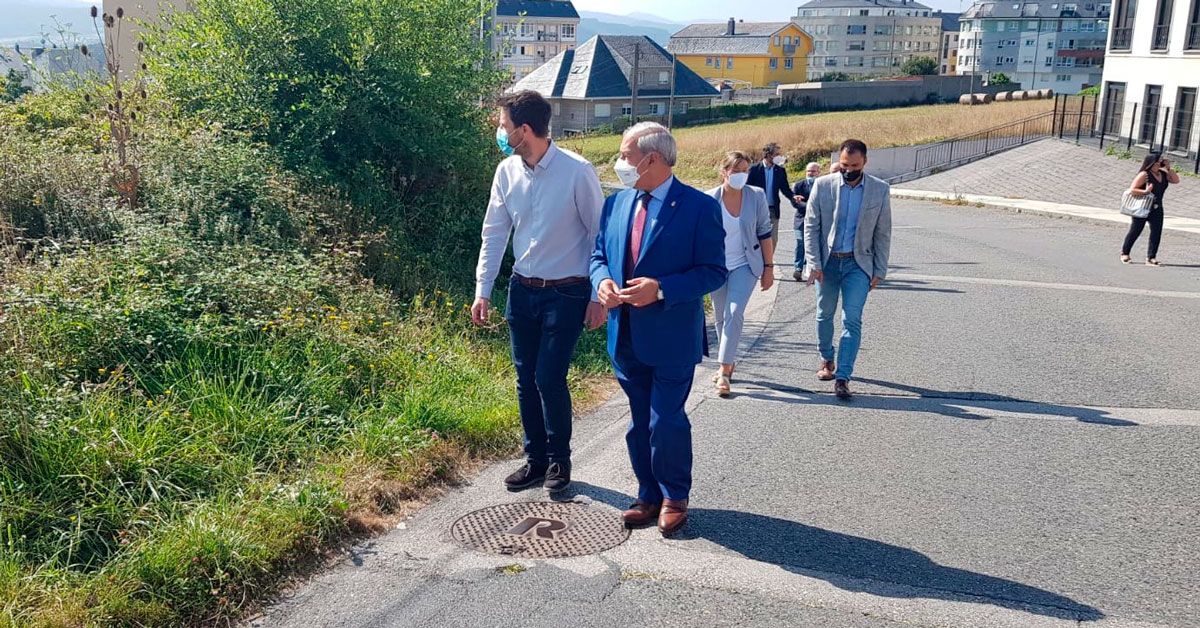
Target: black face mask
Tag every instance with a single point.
(851, 176)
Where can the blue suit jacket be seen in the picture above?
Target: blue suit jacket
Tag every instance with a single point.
(685, 251)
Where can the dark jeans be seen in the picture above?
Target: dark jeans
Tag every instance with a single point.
(545, 325)
(1135, 231)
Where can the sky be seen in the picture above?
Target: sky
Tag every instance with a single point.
(689, 10)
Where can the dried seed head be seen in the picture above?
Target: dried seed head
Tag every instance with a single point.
(143, 92)
(133, 115)
(87, 98)
(84, 50)
(143, 66)
(120, 94)
(120, 12)
(141, 46)
(95, 11)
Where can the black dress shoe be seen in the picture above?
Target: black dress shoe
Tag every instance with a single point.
(525, 477)
(558, 477)
(798, 275)
(841, 388)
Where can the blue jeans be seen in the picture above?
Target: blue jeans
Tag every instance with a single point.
(545, 325)
(844, 278)
(800, 250)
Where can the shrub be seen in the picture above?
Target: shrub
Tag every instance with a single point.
(918, 66)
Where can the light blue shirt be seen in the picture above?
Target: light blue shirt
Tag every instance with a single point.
(658, 196)
(849, 206)
(772, 193)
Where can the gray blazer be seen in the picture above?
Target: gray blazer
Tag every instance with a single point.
(873, 242)
(756, 223)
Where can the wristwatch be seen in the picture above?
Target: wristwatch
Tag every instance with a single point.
(660, 294)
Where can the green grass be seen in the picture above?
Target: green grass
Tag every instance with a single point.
(183, 424)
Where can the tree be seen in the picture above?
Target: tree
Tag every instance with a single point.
(920, 66)
(834, 77)
(13, 87)
(999, 78)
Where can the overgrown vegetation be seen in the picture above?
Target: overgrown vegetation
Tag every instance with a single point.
(269, 350)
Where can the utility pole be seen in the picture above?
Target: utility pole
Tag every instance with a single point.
(633, 84)
(671, 100)
(892, 48)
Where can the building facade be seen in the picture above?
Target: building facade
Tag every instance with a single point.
(1041, 44)
(593, 85)
(530, 32)
(1152, 75)
(948, 61)
(760, 54)
(868, 37)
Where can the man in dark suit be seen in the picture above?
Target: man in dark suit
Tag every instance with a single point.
(660, 249)
(770, 175)
(800, 194)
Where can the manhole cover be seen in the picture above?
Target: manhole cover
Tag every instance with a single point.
(540, 530)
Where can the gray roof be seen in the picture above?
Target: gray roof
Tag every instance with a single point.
(863, 4)
(1035, 9)
(537, 8)
(706, 39)
(949, 21)
(601, 68)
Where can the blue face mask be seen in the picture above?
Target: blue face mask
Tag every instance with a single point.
(502, 142)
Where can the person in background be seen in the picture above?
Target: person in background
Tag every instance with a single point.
(848, 239)
(771, 177)
(835, 167)
(801, 191)
(748, 253)
(549, 200)
(1153, 178)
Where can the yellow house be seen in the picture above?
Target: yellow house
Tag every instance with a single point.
(763, 54)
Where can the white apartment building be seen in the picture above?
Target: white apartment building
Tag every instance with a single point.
(531, 32)
(1152, 74)
(868, 37)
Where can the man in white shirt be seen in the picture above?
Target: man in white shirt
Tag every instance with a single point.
(549, 200)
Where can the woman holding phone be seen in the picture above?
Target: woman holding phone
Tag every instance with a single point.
(1153, 178)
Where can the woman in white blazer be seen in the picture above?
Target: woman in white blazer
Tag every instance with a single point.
(749, 252)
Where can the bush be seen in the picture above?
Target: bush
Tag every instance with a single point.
(999, 78)
(920, 66)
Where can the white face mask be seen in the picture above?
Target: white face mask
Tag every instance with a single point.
(779, 160)
(627, 172)
(738, 180)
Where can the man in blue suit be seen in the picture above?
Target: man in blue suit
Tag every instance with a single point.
(661, 248)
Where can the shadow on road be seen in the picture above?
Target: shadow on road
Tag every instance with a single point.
(956, 405)
(854, 563)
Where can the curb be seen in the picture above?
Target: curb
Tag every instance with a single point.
(1093, 215)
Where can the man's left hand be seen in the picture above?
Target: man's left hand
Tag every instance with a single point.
(768, 279)
(641, 292)
(596, 316)
(875, 282)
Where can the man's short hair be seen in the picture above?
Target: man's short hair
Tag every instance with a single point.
(770, 149)
(853, 146)
(653, 137)
(810, 166)
(528, 107)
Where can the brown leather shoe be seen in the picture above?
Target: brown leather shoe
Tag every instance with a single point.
(841, 388)
(674, 515)
(825, 373)
(641, 514)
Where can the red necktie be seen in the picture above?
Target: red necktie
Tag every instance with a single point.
(639, 228)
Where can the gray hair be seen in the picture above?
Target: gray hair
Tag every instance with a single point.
(811, 164)
(653, 137)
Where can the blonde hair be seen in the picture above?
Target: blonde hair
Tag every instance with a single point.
(731, 160)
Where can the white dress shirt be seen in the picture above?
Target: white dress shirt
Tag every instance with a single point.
(553, 213)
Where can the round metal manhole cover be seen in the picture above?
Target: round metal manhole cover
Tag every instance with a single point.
(540, 530)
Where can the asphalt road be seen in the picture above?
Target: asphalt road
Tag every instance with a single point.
(1023, 451)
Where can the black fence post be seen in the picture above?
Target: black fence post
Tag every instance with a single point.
(1079, 123)
(1132, 123)
(1063, 122)
(1095, 110)
(1022, 131)
(1054, 118)
(1104, 112)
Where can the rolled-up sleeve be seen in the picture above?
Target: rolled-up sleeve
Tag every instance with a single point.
(497, 226)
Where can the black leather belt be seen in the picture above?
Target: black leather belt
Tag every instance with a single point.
(530, 282)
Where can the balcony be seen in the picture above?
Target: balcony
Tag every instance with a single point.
(1122, 38)
(1193, 37)
(1162, 37)
(553, 37)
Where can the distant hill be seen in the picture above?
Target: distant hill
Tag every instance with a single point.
(656, 28)
(24, 20)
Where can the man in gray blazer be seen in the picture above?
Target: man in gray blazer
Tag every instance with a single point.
(847, 240)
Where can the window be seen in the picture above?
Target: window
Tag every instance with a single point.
(1087, 27)
(883, 29)
(664, 78)
(1193, 32)
(1029, 42)
(1185, 113)
(777, 40)
(657, 109)
(604, 110)
(856, 45)
(1162, 25)
(708, 61)
(788, 63)
(854, 62)
(857, 29)
(729, 62)
(774, 63)
(1071, 26)
(1150, 107)
(1049, 62)
(831, 62)
(1050, 45)
(1124, 12)
(626, 110)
